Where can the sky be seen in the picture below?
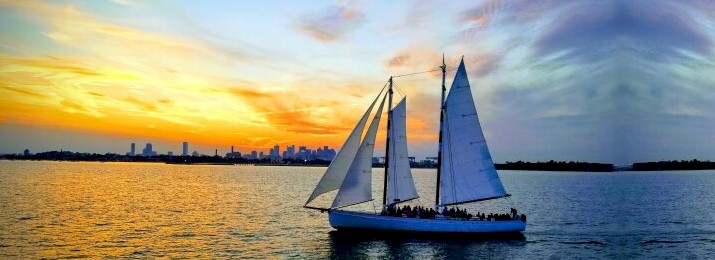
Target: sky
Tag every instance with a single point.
(601, 81)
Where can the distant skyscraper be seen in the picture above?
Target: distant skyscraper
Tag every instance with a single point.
(133, 150)
(275, 153)
(26, 152)
(148, 150)
(290, 152)
(303, 153)
(186, 149)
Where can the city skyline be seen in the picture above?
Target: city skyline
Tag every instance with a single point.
(151, 150)
(601, 81)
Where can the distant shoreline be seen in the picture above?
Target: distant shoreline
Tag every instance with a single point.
(519, 165)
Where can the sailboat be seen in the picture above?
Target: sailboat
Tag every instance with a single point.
(465, 170)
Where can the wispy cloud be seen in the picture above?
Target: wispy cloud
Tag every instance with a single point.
(332, 23)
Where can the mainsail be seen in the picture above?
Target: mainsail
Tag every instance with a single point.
(357, 185)
(467, 170)
(400, 185)
(335, 174)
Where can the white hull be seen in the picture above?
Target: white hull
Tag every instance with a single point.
(364, 221)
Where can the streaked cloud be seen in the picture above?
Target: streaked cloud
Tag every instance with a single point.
(332, 23)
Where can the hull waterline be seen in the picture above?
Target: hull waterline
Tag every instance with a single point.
(347, 220)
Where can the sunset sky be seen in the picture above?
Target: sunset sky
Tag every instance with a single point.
(602, 81)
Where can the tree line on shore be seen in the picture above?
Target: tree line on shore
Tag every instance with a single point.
(674, 165)
(204, 159)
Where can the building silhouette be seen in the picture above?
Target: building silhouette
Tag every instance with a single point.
(275, 153)
(290, 152)
(133, 149)
(233, 154)
(185, 151)
(148, 150)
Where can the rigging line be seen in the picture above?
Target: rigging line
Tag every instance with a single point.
(399, 91)
(410, 74)
(383, 86)
(451, 159)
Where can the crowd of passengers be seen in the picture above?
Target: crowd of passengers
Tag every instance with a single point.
(456, 213)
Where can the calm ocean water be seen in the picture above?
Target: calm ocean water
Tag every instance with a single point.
(132, 210)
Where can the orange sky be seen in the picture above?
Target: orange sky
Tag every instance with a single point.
(107, 78)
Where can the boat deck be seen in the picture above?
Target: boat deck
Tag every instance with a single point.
(340, 219)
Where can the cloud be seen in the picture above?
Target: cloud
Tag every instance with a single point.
(482, 15)
(331, 24)
(21, 91)
(657, 27)
(415, 58)
(294, 112)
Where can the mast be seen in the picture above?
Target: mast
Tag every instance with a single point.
(441, 120)
(387, 141)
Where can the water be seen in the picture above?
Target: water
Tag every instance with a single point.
(133, 210)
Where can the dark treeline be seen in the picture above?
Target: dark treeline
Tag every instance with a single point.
(556, 166)
(204, 159)
(674, 165)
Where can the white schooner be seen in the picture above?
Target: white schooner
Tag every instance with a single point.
(465, 170)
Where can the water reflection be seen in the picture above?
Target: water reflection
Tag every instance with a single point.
(362, 245)
(135, 210)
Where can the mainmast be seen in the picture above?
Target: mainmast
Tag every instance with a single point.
(441, 120)
(387, 141)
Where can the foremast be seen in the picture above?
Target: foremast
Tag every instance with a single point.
(387, 144)
(441, 121)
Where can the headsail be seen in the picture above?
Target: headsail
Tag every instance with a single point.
(467, 170)
(400, 185)
(357, 185)
(335, 174)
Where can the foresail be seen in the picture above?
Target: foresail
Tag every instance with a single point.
(400, 185)
(467, 169)
(357, 185)
(335, 174)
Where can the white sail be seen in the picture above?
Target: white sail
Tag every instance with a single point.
(335, 174)
(357, 185)
(400, 185)
(467, 170)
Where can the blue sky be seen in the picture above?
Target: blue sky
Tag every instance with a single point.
(604, 81)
